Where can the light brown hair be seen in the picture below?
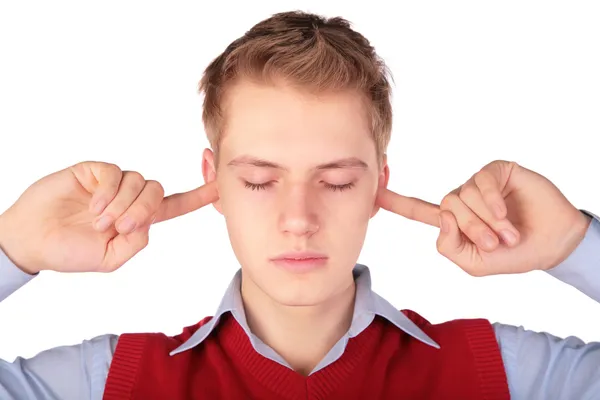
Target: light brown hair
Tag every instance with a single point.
(307, 50)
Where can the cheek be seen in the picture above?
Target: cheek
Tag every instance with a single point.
(247, 230)
(349, 214)
(247, 215)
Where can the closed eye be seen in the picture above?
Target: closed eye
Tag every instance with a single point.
(339, 187)
(266, 185)
(257, 186)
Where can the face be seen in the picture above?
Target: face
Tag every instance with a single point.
(297, 179)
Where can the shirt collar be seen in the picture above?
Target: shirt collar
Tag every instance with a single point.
(367, 305)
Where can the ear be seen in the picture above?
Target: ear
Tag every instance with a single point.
(384, 177)
(209, 172)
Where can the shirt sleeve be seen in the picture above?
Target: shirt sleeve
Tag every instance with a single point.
(542, 366)
(11, 277)
(76, 372)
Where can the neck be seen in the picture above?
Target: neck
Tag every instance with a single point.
(302, 335)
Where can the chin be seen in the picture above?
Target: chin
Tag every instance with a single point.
(299, 292)
(297, 289)
(297, 298)
(286, 289)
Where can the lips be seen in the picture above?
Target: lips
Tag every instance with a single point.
(300, 262)
(300, 256)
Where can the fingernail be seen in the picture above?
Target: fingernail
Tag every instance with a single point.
(489, 241)
(509, 237)
(127, 225)
(103, 223)
(444, 225)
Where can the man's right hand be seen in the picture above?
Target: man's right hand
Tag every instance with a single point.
(77, 219)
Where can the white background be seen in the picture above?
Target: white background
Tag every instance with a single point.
(116, 81)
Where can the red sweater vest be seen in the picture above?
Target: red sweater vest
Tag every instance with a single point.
(382, 362)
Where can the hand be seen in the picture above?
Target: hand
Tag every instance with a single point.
(505, 219)
(78, 219)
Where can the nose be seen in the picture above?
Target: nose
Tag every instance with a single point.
(298, 212)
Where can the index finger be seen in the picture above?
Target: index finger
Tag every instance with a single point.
(179, 204)
(409, 207)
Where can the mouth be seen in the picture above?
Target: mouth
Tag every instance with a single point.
(299, 262)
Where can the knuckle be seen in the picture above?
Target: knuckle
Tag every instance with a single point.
(468, 191)
(136, 176)
(114, 175)
(481, 176)
(85, 163)
(472, 229)
(495, 163)
(145, 240)
(486, 181)
(439, 244)
(448, 201)
(474, 272)
(135, 180)
(500, 165)
(111, 167)
(156, 186)
(112, 267)
(409, 212)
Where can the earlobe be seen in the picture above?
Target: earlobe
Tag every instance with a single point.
(209, 172)
(384, 177)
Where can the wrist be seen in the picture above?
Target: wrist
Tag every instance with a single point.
(12, 251)
(572, 239)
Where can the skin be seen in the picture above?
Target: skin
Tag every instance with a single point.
(313, 189)
(54, 224)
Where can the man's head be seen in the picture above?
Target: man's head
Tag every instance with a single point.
(298, 115)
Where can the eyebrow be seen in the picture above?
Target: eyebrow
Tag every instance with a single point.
(350, 162)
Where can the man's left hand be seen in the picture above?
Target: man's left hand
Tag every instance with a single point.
(505, 219)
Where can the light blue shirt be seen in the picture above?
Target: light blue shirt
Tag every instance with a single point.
(538, 365)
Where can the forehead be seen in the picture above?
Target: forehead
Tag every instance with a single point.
(281, 118)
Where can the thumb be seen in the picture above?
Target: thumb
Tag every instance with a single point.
(123, 247)
(455, 246)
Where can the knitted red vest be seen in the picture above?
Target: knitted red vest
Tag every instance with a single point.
(382, 362)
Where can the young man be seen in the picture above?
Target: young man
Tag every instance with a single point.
(298, 115)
